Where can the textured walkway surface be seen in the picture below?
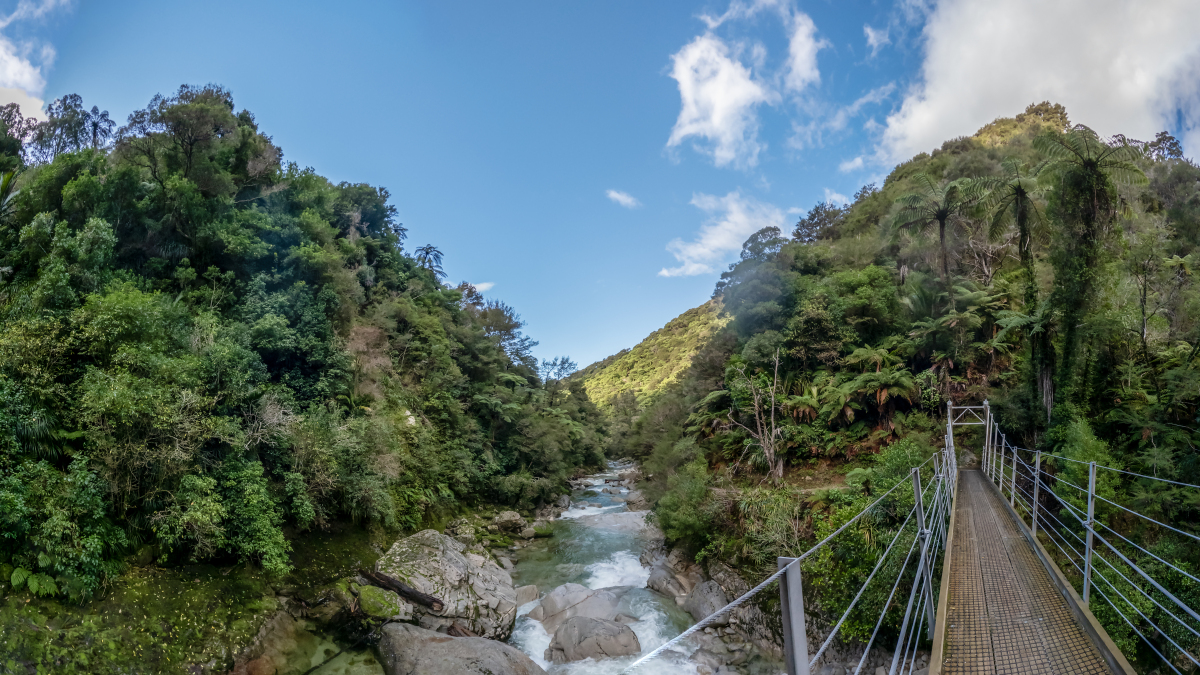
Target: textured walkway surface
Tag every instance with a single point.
(1005, 615)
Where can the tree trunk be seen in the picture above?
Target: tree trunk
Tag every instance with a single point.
(402, 589)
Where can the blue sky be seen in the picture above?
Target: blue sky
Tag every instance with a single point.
(599, 164)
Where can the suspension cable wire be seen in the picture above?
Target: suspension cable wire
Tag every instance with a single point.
(1048, 454)
(1186, 534)
(1141, 614)
(1134, 628)
(915, 637)
(899, 577)
(862, 590)
(1060, 479)
(907, 614)
(1148, 552)
(1145, 576)
(1143, 592)
(704, 623)
(1142, 475)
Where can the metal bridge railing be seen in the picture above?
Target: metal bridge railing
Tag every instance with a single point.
(1105, 561)
(926, 523)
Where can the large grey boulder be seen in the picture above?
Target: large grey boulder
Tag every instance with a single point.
(706, 599)
(509, 521)
(475, 591)
(571, 600)
(636, 501)
(582, 637)
(405, 649)
(664, 581)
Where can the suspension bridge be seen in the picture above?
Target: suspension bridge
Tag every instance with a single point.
(1005, 562)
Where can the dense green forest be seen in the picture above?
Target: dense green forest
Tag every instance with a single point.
(204, 348)
(1034, 264)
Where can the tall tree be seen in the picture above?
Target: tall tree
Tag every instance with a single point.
(99, 126)
(1083, 171)
(430, 258)
(940, 203)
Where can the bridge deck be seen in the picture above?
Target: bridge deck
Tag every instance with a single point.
(1004, 614)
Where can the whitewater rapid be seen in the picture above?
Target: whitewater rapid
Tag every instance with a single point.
(599, 547)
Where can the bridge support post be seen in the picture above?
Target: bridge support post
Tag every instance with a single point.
(1012, 484)
(926, 558)
(1037, 482)
(1091, 528)
(987, 435)
(795, 638)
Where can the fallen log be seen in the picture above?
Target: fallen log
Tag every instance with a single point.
(402, 589)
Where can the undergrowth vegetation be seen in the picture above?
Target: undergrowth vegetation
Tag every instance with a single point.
(203, 348)
(1034, 264)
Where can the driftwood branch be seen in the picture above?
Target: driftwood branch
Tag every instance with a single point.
(402, 589)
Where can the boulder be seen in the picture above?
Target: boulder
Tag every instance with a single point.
(475, 591)
(526, 594)
(706, 599)
(537, 613)
(463, 531)
(703, 657)
(383, 605)
(509, 521)
(664, 581)
(582, 637)
(564, 502)
(570, 600)
(636, 501)
(528, 533)
(405, 649)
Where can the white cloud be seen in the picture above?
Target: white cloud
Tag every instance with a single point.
(721, 86)
(719, 96)
(851, 164)
(1117, 66)
(803, 46)
(731, 219)
(485, 286)
(876, 39)
(804, 135)
(623, 198)
(22, 65)
(832, 197)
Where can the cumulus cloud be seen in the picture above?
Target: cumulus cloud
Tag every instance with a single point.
(851, 165)
(722, 85)
(832, 197)
(876, 38)
(1117, 66)
(623, 198)
(803, 46)
(23, 64)
(731, 219)
(718, 100)
(485, 286)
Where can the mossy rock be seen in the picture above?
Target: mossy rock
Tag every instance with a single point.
(383, 605)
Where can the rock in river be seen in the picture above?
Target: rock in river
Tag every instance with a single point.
(582, 637)
(407, 650)
(475, 591)
(706, 599)
(570, 600)
(509, 521)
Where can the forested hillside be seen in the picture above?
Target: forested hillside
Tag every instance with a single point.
(1034, 264)
(633, 376)
(203, 347)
